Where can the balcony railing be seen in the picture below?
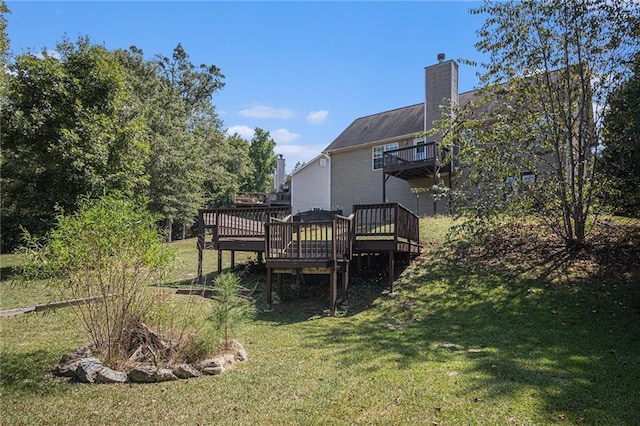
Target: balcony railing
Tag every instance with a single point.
(416, 161)
(411, 154)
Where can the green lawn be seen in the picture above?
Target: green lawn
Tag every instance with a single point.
(464, 340)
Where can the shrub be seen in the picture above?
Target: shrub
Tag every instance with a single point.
(109, 252)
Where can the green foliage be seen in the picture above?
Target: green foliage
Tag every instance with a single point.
(230, 308)
(263, 160)
(527, 142)
(229, 167)
(110, 250)
(94, 120)
(621, 154)
(183, 128)
(4, 38)
(69, 127)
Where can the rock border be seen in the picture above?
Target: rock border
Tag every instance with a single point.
(81, 366)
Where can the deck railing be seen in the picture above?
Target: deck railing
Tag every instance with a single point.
(238, 222)
(319, 240)
(411, 154)
(386, 220)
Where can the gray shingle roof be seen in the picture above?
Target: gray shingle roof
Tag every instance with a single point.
(386, 125)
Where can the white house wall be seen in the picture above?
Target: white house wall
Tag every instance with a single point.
(310, 186)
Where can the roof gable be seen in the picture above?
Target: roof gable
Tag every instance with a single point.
(381, 126)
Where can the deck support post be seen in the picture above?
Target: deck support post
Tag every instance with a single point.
(269, 300)
(358, 265)
(200, 256)
(219, 261)
(345, 284)
(233, 259)
(392, 271)
(334, 289)
(279, 285)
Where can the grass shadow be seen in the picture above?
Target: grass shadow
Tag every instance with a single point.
(30, 372)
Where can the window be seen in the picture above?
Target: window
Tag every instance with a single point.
(420, 149)
(377, 154)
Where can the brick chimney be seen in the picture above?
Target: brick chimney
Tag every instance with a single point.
(441, 88)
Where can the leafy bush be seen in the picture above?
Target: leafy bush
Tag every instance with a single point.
(109, 253)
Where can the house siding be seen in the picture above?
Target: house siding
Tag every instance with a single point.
(310, 186)
(353, 181)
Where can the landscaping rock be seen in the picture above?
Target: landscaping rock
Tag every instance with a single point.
(88, 369)
(143, 374)
(165, 375)
(185, 371)
(213, 371)
(107, 375)
(69, 362)
(216, 362)
(81, 365)
(241, 354)
(229, 359)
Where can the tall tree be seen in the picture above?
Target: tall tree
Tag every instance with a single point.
(68, 128)
(527, 144)
(4, 38)
(183, 127)
(263, 161)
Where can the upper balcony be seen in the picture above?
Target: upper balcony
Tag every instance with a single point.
(417, 161)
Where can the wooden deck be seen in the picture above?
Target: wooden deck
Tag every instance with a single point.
(321, 247)
(234, 229)
(313, 247)
(385, 228)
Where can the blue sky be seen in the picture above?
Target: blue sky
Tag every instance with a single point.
(301, 70)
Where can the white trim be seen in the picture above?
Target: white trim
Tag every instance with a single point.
(326, 156)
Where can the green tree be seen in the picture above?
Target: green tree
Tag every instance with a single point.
(4, 38)
(621, 154)
(69, 127)
(527, 144)
(185, 129)
(229, 167)
(186, 142)
(230, 309)
(109, 251)
(263, 161)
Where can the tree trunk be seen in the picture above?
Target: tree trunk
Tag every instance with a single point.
(168, 223)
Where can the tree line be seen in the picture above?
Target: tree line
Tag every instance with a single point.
(85, 120)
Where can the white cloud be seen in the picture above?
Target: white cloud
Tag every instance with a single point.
(265, 111)
(317, 117)
(244, 131)
(283, 136)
